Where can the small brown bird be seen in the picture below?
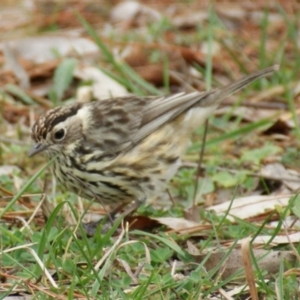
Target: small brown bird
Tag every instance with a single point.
(124, 149)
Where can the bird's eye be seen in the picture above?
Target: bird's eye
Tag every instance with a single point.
(58, 135)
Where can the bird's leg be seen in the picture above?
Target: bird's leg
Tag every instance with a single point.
(90, 228)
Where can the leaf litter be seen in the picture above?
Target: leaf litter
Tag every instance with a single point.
(28, 63)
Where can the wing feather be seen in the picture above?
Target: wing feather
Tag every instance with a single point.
(130, 119)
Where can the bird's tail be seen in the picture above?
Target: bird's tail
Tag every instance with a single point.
(216, 96)
(203, 105)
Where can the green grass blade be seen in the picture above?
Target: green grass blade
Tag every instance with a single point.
(62, 78)
(24, 188)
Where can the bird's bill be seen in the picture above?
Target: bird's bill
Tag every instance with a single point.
(37, 148)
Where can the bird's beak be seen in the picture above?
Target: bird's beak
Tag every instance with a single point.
(37, 148)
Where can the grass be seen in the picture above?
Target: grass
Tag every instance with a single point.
(50, 260)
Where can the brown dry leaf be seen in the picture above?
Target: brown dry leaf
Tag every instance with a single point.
(268, 261)
(249, 272)
(281, 128)
(179, 225)
(40, 76)
(176, 224)
(46, 48)
(12, 64)
(155, 73)
(251, 206)
(128, 270)
(192, 20)
(192, 213)
(183, 226)
(9, 170)
(276, 171)
(135, 55)
(277, 240)
(133, 13)
(14, 173)
(19, 297)
(140, 222)
(192, 249)
(62, 13)
(138, 56)
(102, 86)
(13, 17)
(12, 113)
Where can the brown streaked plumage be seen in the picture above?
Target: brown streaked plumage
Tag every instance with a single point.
(127, 148)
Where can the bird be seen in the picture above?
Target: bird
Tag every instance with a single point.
(125, 149)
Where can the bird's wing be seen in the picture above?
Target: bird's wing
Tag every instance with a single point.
(161, 110)
(123, 122)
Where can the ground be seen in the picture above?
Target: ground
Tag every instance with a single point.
(227, 231)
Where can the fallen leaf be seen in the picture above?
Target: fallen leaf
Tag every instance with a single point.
(45, 48)
(102, 85)
(247, 207)
(268, 261)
